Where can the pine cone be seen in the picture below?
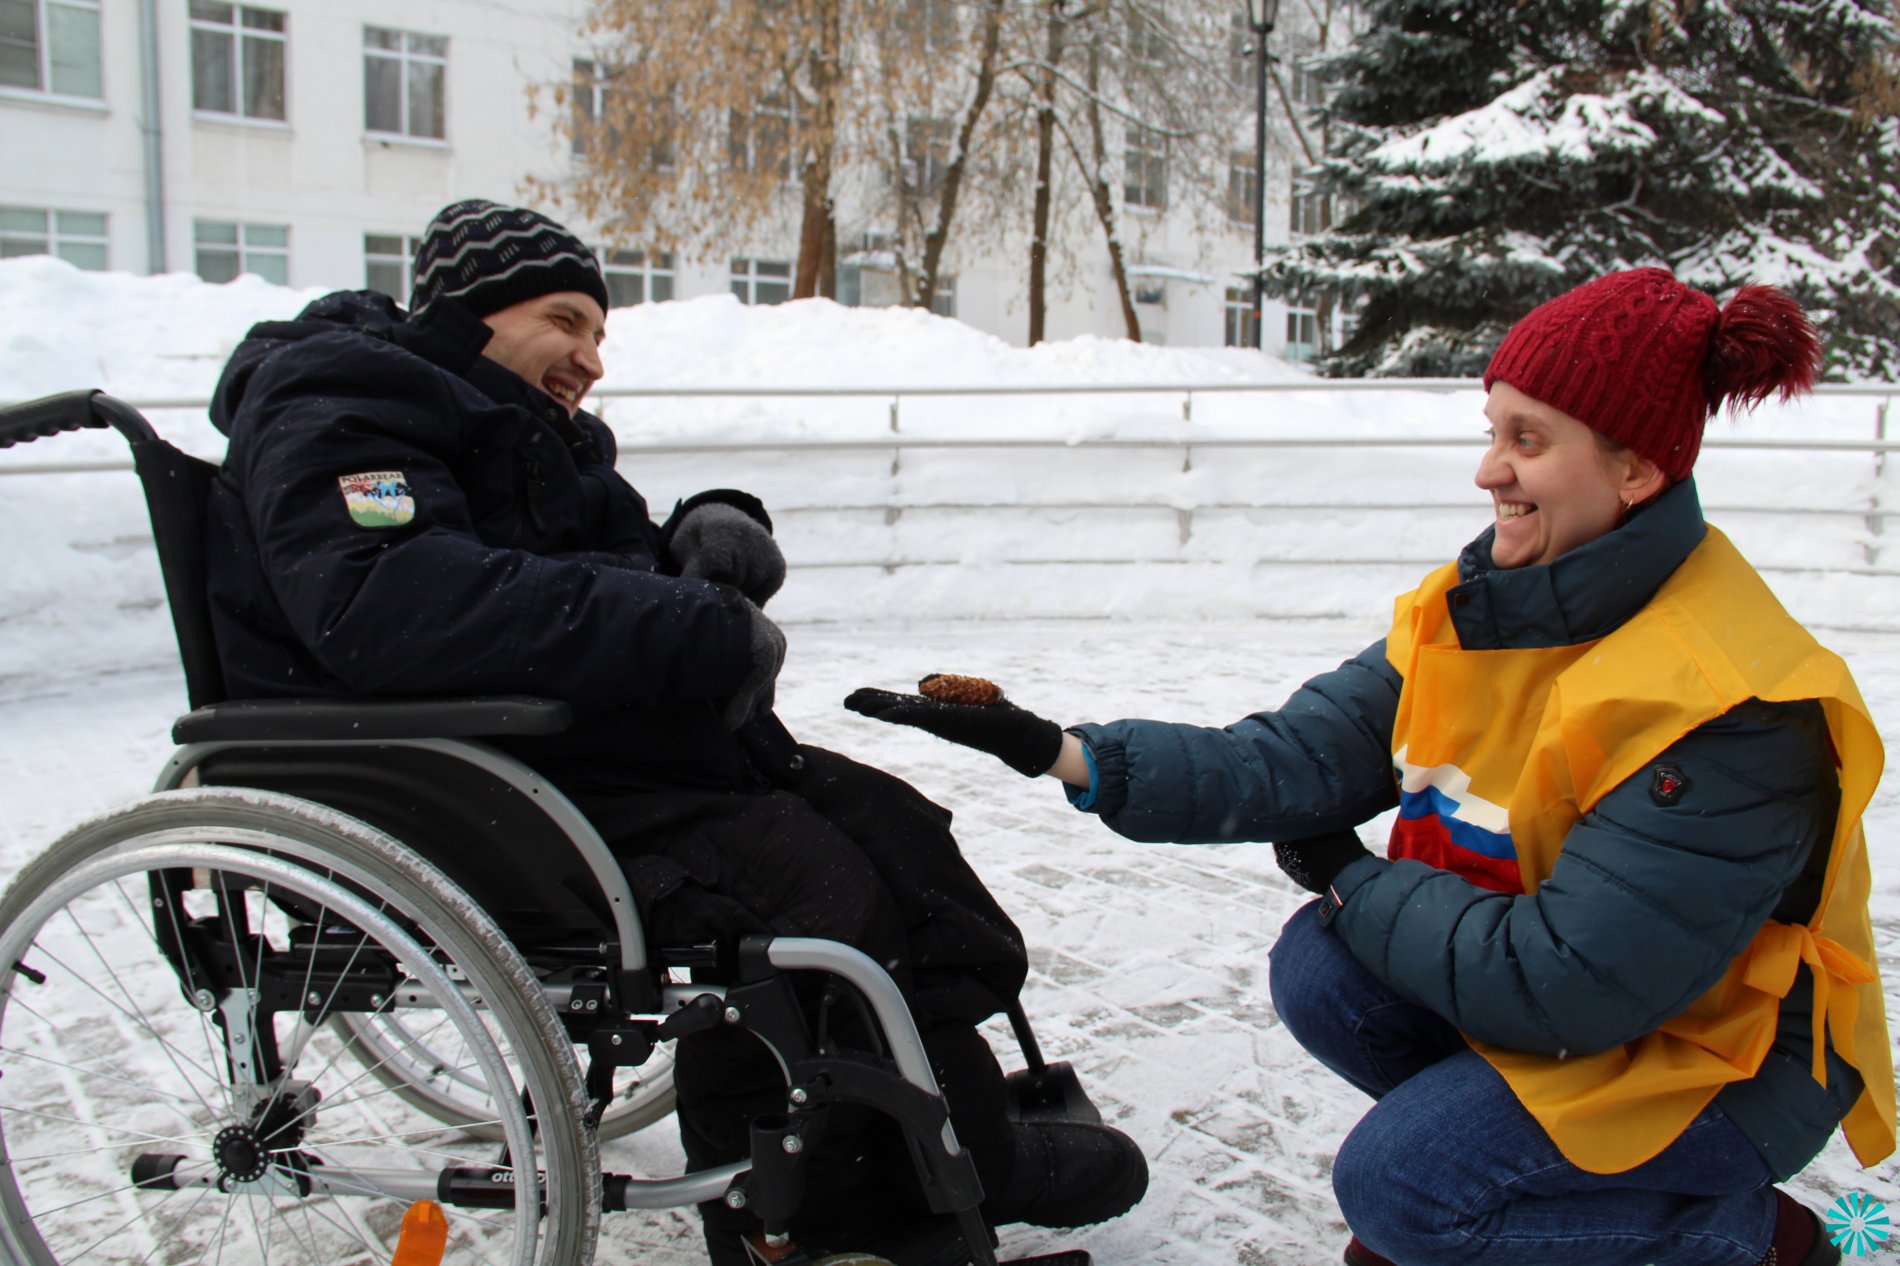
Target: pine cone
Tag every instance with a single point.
(952, 688)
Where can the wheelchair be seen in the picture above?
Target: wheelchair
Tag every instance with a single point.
(349, 955)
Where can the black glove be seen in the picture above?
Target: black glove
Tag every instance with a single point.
(722, 541)
(757, 688)
(1314, 862)
(1027, 743)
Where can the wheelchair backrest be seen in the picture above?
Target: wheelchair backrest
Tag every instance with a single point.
(177, 491)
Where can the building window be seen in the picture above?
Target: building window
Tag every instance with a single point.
(1150, 48)
(1145, 169)
(1243, 189)
(590, 107)
(225, 250)
(1306, 214)
(389, 263)
(404, 78)
(595, 129)
(1302, 333)
(1240, 317)
(943, 300)
(635, 277)
(237, 60)
(1307, 89)
(78, 237)
(51, 46)
(932, 22)
(761, 280)
(927, 145)
(1241, 68)
(760, 140)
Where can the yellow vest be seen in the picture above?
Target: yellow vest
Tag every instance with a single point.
(1517, 745)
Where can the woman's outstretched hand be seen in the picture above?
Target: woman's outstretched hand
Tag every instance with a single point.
(1027, 743)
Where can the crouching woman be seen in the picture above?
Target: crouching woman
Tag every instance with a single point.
(1615, 977)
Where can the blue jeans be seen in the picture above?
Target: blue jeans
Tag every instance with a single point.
(1448, 1167)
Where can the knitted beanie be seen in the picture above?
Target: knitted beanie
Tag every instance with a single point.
(488, 257)
(1645, 360)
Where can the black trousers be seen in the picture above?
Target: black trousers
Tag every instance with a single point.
(852, 854)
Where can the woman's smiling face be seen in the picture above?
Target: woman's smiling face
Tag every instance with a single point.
(1553, 484)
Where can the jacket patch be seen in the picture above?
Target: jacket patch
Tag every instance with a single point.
(378, 498)
(1667, 784)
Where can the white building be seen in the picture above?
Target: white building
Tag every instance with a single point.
(309, 141)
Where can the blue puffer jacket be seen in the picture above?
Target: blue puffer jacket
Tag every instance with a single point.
(1642, 912)
(529, 566)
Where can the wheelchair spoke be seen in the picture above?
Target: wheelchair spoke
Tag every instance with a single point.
(303, 1029)
(255, 1056)
(93, 1056)
(140, 1135)
(183, 1218)
(151, 1091)
(172, 1053)
(280, 1215)
(348, 1226)
(381, 1090)
(204, 1023)
(339, 1102)
(223, 1222)
(257, 1229)
(97, 1195)
(143, 1214)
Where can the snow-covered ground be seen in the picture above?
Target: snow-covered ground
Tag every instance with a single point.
(1148, 962)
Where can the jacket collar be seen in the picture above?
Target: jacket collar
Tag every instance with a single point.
(1581, 595)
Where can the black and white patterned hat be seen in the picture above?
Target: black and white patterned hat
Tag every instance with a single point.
(488, 257)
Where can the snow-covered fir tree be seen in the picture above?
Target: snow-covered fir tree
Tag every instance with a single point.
(1487, 155)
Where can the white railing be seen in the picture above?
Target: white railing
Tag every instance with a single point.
(1877, 442)
(886, 493)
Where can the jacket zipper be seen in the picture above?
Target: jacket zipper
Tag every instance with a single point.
(535, 488)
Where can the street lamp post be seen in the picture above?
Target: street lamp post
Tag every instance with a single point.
(1261, 15)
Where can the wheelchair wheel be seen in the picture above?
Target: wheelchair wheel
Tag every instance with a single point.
(433, 1077)
(170, 1084)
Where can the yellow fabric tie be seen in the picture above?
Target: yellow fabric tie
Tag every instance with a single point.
(1780, 949)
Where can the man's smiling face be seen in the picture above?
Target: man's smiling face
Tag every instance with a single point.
(553, 342)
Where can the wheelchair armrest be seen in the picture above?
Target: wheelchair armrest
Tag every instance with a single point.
(370, 720)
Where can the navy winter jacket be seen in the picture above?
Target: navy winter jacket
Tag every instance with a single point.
(528, 567)
(1642, 912)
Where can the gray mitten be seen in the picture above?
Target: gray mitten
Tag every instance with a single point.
(758, 687)
(723, 543)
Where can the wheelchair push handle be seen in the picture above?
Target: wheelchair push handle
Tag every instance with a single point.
(71, 411)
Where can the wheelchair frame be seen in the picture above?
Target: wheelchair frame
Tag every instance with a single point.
(301, 854)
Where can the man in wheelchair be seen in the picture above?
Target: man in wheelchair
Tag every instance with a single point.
(414, 504)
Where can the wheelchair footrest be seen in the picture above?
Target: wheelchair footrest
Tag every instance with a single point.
(1051, 1093)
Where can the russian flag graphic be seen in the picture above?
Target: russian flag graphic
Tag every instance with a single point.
(1443, 824)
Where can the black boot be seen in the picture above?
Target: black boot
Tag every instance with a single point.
(1799, 1238)
(1067, 1173)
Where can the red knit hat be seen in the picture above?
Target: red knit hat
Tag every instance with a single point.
(1645, 360)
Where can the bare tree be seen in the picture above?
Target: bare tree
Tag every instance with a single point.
(1150, 78)
(695, 117)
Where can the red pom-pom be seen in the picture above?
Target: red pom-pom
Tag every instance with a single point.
(1763, 345)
